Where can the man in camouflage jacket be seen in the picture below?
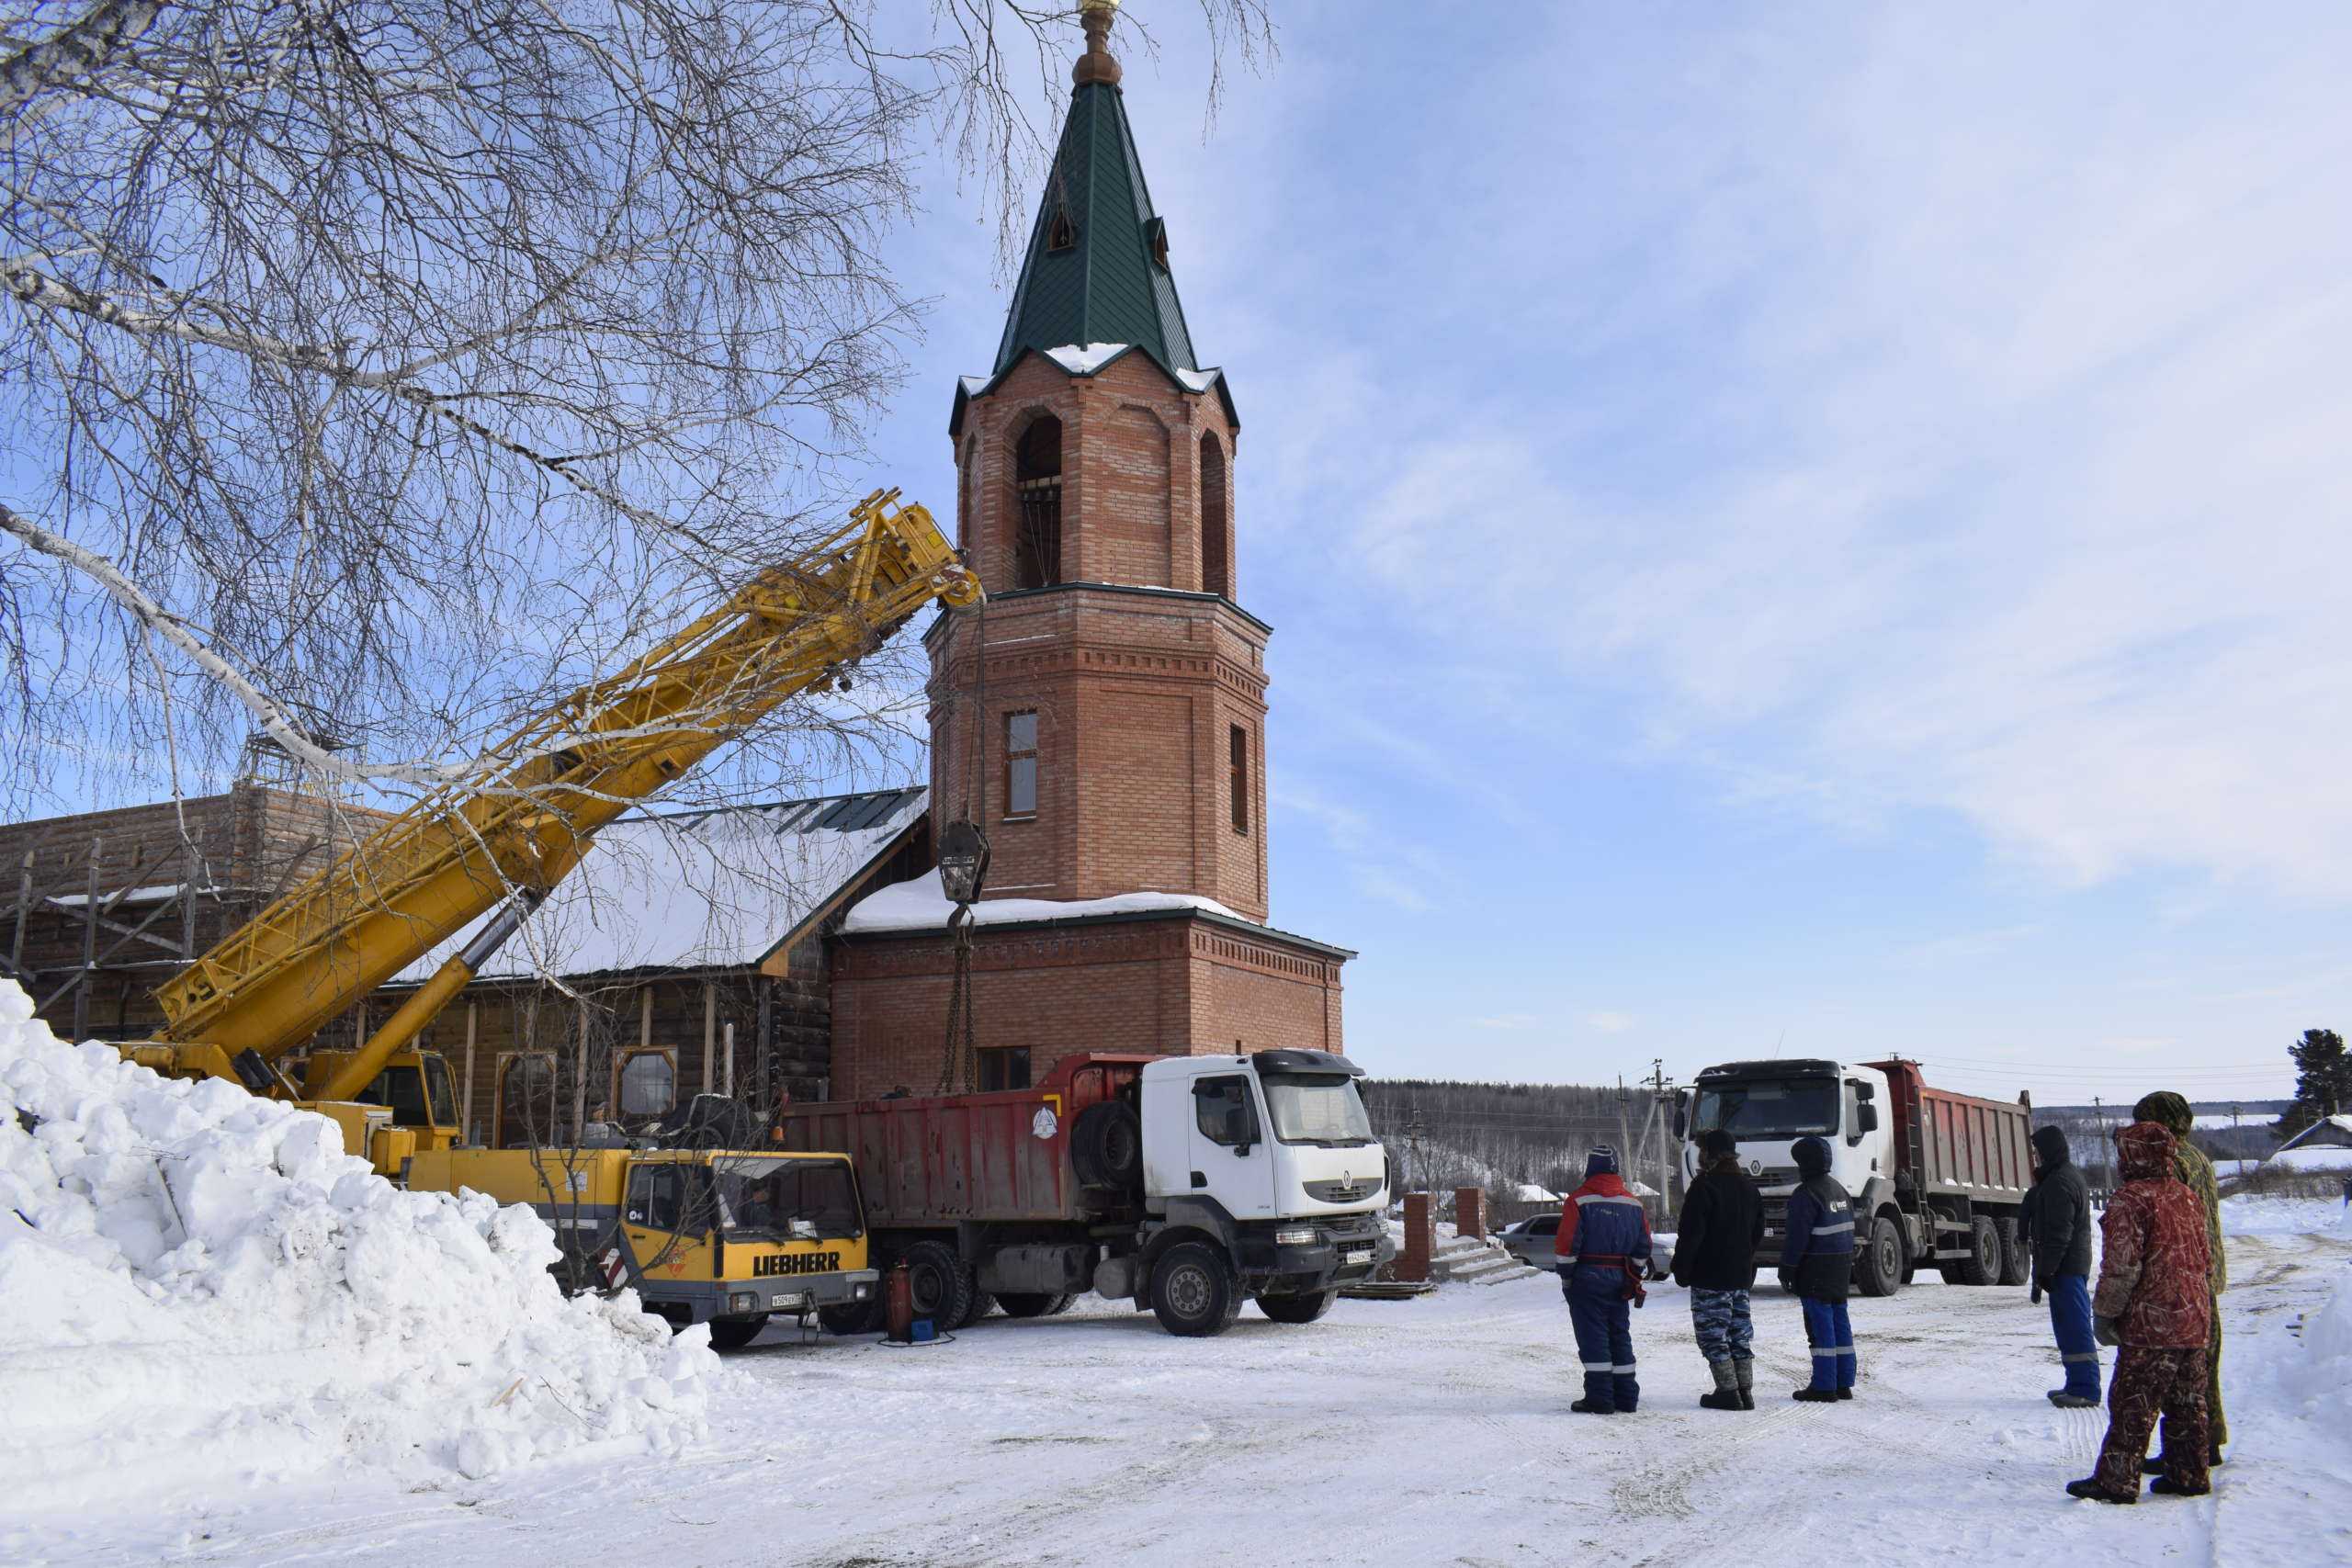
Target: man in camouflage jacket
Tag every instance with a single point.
(2156, 1301)
(2171, 1112)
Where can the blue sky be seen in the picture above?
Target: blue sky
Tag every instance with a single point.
(1814, 528)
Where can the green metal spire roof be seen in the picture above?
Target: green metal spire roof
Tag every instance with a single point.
(1106, 284)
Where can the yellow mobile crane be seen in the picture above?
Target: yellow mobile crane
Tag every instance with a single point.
(468, 848)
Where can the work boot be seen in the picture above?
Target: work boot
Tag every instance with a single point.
(1726, 1393)
(1816, 1395)
(1587, 1407)
(2065, 1401)
(2165, 1486)
(2089, 1487)
(1745, 1373)
(1845, 1394)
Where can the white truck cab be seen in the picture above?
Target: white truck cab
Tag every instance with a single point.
(1266, 1160)
(1768, 1106)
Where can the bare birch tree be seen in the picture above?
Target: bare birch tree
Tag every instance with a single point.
(374, 369)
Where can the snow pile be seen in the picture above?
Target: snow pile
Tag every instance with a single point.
(197, 1286)
(922, 904)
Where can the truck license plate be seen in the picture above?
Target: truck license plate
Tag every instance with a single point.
(1360, 1254)
(788, 1302)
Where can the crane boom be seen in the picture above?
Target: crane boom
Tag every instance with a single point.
(455, 854)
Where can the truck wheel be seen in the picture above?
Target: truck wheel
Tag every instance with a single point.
(1194, 1293)
(1878, 1270)
(2017, 1263)
(981, 1305)
(1297, 1309)
(940, 1284)
(1982, 1264)
(1030, 1303)
(856, 1318)
(734, 1333)
(1106, 1145)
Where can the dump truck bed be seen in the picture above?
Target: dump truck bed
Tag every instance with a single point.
(1001, 1157)
(1957, 1145)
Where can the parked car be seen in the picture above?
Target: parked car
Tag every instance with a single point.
(1530, 1240)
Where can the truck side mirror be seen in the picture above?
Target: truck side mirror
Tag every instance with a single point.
(1682, 1123)
(1237, 1129)
(1866, 1117)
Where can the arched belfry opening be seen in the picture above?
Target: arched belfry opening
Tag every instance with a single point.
(1217, 565)
(1037, 512)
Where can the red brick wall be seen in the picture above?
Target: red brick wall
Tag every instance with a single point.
(1176, 986)
(1131, 507)
(1135, 696)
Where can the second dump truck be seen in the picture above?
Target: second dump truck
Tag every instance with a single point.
(1185, 1184)
(1937, 1178)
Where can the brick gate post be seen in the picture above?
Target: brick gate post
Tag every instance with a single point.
(1420, 1238)
(1470, 1211)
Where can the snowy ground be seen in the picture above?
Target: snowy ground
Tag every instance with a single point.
(1431, 1431)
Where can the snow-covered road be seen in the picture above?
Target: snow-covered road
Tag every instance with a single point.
(1432, 1431)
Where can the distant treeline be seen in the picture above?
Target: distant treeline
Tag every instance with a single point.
(1499, 1136)
(2090, 1130)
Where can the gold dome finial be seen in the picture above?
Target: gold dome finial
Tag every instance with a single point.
(1096, 65)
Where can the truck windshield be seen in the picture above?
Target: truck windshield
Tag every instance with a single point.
(1768, 1108)
(784, 1198)
(1317, 1108)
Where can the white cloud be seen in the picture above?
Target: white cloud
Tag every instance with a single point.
(2019, 485)
(1610, 1022)
(1509, 1020)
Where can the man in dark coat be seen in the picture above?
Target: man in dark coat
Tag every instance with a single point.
(1817, 1267)
(2058, 1240)
(2156, 1300)
(1603, 1248)
(1714, 1258)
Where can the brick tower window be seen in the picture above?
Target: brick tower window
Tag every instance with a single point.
(1216, 572)
(1037, 488)
(1021, 764)
(1240, 790)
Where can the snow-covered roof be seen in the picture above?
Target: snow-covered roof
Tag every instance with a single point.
(2326, 1125)
(700, 889)
(921, 905)
(1087, 359)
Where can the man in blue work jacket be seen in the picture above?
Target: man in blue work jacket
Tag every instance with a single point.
(1603, 1250)
(1818, 1268)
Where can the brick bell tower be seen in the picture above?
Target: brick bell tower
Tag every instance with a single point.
(1124, 688)
(1104, 714)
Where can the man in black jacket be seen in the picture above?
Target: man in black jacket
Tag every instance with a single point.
(1715, 1256)
(2058, 1234)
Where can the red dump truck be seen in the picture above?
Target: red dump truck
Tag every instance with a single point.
(1937, 1178)
(1186, 1184)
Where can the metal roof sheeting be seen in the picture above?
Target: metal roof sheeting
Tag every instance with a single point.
(699, 889)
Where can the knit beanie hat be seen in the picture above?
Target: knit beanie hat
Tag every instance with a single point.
(1715, 1143)
(1813, 1156)
(1602, 1161)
